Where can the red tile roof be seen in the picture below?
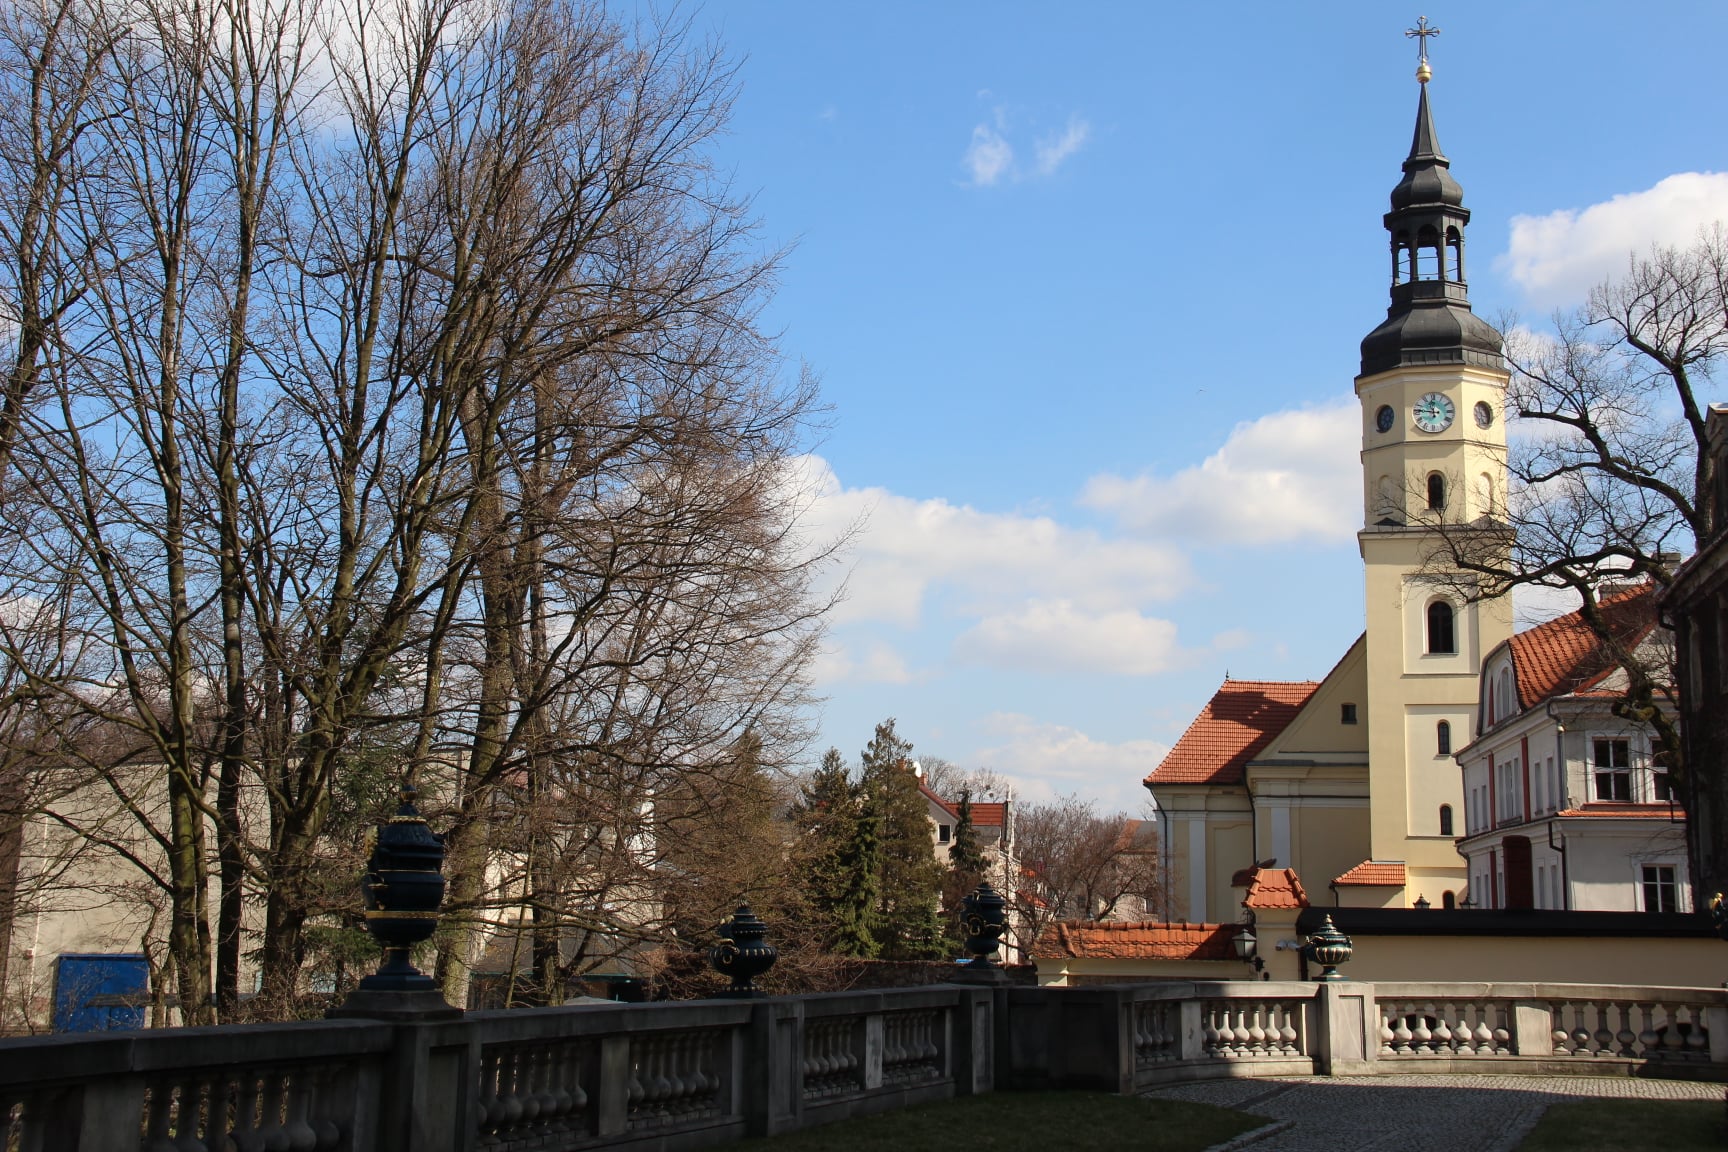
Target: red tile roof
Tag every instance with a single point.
(1627, 812)
(983, 815)
(1238, 722)
(1275, 888)
(1374, 874)
(1564, 655)
(1142, 941)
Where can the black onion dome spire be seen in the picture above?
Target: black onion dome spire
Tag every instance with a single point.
(1430, 321)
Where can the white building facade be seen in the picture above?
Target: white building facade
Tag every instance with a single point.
(1566, 805)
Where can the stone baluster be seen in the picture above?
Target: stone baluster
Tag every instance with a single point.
(1402, 1036)
(1211, 1038)
(1458, 1023)
(1421, 1036)
(1624, 1037)
(1697, 1038)
(1253, 1014)
(301, 1136)
(1242, 1038)
(1649, 1040)
(158, 1115)
(1388, 1038)
(1673, 1043)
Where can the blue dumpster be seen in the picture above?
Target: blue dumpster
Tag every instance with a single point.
(100, 991)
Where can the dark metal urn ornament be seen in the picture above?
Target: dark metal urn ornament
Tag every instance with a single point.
(743, 954)
(402, 890)
(983, 916)
(1329, 947)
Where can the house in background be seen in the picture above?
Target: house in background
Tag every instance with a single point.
(1565, 806)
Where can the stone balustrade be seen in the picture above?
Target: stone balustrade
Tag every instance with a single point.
(688, 1075)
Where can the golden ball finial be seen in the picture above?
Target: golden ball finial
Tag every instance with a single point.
(1423, 72)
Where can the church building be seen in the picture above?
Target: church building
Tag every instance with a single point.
(1350, 780)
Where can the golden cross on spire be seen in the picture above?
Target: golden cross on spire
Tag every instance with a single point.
(1421, 33)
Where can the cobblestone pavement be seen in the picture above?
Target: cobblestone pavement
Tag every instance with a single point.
(1412, 1113)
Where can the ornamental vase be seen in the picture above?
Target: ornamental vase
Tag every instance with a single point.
(1329, 947)
(983, 916)
(402, 889)
(743, 953)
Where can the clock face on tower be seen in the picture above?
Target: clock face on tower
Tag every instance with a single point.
(1434, 413)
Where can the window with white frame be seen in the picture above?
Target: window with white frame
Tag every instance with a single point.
(1661, 787)
(1508, 703)
(1660, 887)
(1559, 793)
(1538, 791)
(1611, 761)
(1509, 809)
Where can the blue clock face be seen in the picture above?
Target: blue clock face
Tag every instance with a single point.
(1434, 413)
(1383, 418)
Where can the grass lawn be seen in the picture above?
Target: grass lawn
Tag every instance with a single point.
(1628, 1126)
(1027, 1122)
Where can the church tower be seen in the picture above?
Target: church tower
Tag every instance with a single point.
(1432, 388)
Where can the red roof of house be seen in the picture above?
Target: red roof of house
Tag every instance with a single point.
(1275, 888)
(1565, 656)
(983, 815)
(1374, 874)
(1142, 941)
(1235, 726)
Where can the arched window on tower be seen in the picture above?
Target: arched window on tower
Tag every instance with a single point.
(1448, 899)
(1428, 253)
(1446, 822)
(1403, 259)
(1454, 255)
(1436, 492)
(1485, 493)
(1440, 638)
(1443, 738)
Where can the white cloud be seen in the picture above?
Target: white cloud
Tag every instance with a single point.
(1055, 148)
(1556, 259)
(907, 551)
(989, 157)
(873, 662)
(1046, 760)
(1055, 636)
(1286, 477)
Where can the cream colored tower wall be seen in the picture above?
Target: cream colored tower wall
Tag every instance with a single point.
(1411, 689)
(1405, 455)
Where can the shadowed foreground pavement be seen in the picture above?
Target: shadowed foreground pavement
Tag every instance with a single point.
(1411, 1113)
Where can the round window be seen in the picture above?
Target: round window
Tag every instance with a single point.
(1484, 414)
(1383, 418)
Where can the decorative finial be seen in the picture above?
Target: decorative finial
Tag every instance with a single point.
(1421, 33)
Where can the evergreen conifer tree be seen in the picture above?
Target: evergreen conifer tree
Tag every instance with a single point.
(908, 923)
(841, 857)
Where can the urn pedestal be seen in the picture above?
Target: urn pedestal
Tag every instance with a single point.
(402, 890)
(742, 954)
(984, 917)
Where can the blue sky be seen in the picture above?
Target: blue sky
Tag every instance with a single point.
(1084, 287)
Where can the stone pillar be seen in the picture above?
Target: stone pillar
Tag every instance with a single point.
(1346, 1028)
